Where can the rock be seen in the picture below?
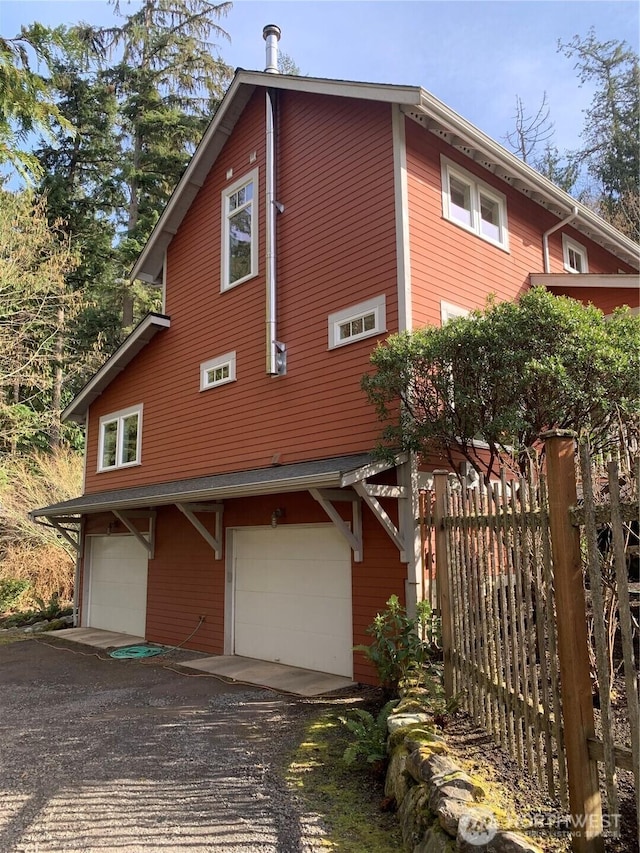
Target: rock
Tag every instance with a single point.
(414, 815)
(438, 770)
(397, 784)
(54, 625)
(403, 721)
(420, 738)
(409, 705)
(421, 733)
(451, 811)
(511, 842)
(477, 828)
(435, 841)
(423, 764)
(36, 627)
(449, 792)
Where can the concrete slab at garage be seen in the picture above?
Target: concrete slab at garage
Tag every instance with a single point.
(275, 676)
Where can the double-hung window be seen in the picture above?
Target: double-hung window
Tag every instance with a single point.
(474, 205)
(240, 231)
(574, 255)
(120, 439)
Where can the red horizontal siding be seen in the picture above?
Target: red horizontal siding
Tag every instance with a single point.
(185, 581)
(335, 249)
(606, 299)
(452, 265)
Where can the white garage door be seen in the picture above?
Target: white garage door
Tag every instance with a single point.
(293, 597)
(117, 599)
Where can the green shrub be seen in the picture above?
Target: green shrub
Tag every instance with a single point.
(399, 650)
(370, 735)
(10, 591)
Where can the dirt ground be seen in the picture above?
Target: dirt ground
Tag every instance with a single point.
(99, 754)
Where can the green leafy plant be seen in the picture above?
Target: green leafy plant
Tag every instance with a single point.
(10, 591)
(370, 735)
(400, 650)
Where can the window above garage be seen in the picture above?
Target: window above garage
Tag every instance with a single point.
(120, 440)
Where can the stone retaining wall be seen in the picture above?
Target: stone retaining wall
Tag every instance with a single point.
(440, 807)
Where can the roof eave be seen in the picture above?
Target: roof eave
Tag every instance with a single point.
(484, 150)
(149, 265)
(338, 472)
(126, 352)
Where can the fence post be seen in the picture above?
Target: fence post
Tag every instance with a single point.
(573, 654)
(442, 576)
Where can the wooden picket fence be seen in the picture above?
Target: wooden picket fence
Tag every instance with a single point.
(503, 567)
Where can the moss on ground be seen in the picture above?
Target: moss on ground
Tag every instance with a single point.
(13, 637)
(346, 799)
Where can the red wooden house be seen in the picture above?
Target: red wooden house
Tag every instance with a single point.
(229, 487)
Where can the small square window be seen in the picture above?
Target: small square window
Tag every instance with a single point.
(218, 371)
(574, 255)
(120, 439)
(359, 321)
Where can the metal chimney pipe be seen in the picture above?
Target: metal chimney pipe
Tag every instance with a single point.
(271, 34)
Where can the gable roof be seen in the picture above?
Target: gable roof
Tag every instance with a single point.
(146, 329)
(417, 104)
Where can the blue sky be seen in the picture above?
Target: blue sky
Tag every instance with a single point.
(475, 56)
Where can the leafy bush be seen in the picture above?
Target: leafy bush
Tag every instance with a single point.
(370, 734)
(400, 650)
(10, 591)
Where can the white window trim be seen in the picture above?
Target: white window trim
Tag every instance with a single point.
(229, 358)
(377, 306)
(449, 311)
(477, 187)
(119, 417)
(251, 176)
(578, 248)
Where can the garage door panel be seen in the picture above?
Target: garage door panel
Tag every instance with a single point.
(117, 598)
(293, 597)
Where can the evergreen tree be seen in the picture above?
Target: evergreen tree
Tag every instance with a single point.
(26, 104)
(83, 194)
(611, 151)
(168, 79)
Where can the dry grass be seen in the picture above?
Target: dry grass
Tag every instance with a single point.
(48, 568)
(31, 551)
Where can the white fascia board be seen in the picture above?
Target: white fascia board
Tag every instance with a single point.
(326, 480)
(360, 474)
(126, 352)
(149, 265)
(567, 279)
(516, 171)
(381, 92)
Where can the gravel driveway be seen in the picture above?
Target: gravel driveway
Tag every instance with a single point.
(126, 756)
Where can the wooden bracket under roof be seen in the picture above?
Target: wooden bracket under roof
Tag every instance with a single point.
(353, 534)
(147, 541)
(214, 540)
(59, 522)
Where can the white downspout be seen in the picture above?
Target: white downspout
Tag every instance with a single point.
(271, 239)
(276, 351)
(547, 234)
